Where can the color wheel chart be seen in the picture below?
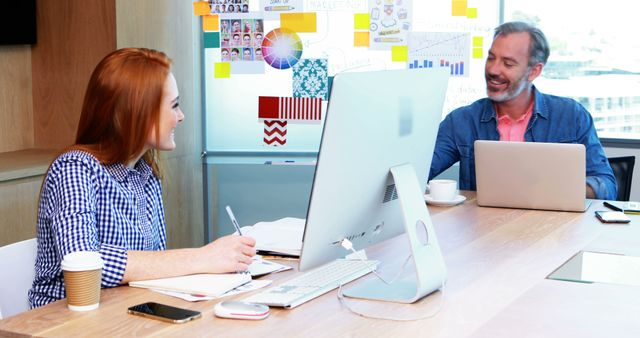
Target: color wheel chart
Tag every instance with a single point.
(451, 50)
(281, 48)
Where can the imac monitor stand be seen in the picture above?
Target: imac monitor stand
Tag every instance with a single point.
(378, 140)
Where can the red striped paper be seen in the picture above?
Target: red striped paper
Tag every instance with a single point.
(290, 108)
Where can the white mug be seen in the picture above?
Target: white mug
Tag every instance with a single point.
(443, 190)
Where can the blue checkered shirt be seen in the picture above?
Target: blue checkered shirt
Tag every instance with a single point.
(88, 206)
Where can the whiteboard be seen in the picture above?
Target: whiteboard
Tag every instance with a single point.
(231, 104)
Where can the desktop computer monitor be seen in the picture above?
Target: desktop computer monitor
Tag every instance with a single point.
(373, 165)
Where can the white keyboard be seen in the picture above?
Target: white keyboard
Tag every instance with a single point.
(313, 283)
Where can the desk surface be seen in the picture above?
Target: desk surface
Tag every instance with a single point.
(497, 261)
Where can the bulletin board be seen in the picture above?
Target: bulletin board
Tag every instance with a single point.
(269, 64)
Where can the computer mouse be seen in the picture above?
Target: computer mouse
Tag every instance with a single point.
(241, 310)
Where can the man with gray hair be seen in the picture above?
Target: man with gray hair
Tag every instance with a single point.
(514, 110)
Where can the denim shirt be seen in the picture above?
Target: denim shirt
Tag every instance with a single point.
(555, 119)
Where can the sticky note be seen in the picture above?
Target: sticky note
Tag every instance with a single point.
(299, 22)
(361, 21)
(361, 39)
(477, 52)
(210, 23)
(211, 39)
(472, 13)
(399, 53)
(201, 8)
(222, 70)
(459, 7)
(478, 41)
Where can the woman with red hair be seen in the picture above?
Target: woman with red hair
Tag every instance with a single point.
(104, 194)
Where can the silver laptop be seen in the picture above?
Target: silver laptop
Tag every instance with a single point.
(531, 175)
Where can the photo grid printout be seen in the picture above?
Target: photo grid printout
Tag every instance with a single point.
(241, 39)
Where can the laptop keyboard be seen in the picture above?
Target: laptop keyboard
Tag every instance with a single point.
(313, 283)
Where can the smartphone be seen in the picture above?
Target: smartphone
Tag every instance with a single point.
(163, 312)
(612, 217)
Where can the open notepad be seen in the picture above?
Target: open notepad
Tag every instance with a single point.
(201, 284)
(280, 237)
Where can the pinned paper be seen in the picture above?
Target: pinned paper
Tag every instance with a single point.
(210, 23)
(221, 70)
(275, 133)
(201, 8)
(478, 41)
(477, 53)
(399, 53)
(211, 39)
(472, 13)
(390, 23)
(459, 7)
(361, 21)
(361, 39)
(441, 49)
(299, 22)
(310, 78)
(290, 108)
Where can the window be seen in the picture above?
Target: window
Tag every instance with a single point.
(595, 58)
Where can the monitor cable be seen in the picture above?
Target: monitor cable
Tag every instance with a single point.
(345, 243)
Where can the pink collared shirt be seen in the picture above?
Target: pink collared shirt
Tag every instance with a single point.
(513, 130)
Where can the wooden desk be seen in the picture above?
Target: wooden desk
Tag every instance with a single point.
(497, 261)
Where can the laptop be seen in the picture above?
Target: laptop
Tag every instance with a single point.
(531, 175)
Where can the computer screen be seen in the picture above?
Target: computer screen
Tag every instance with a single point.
(18, 22)
(375, 121)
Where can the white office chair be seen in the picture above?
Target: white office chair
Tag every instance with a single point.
(17, 268)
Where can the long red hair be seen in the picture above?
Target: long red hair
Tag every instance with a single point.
(122, 104)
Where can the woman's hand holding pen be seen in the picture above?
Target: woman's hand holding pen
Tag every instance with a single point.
(228, 254)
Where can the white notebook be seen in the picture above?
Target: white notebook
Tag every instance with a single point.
(283, 236)
(208, 284)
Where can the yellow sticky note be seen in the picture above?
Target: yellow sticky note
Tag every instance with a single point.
(459, 7)
(299, 22)
(477, 52)
(361, 39)
(201, 8)
(478, 41)
(399, 53)
(472, 13)
(210, 23)
(361, 21)
(222, 70)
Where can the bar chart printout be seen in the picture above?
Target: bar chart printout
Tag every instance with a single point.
(451, 50)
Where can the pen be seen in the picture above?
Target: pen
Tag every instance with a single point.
(278, 8)
(235, 225)
(233, 220)
(611, 206)
(387, 40)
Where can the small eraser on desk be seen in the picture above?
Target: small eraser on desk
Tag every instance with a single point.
(241, 310)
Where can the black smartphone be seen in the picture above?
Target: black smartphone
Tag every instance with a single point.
(612, 217)
(163, 312)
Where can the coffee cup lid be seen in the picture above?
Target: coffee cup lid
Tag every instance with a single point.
(82, 260)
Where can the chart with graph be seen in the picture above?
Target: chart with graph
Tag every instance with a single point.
(440, 49)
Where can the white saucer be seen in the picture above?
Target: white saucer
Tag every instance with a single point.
(457, 200)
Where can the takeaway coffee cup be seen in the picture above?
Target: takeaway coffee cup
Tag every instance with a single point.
(82, 274)
(443, 190)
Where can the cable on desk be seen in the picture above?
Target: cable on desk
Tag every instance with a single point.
(344, 302)
(349, 246)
